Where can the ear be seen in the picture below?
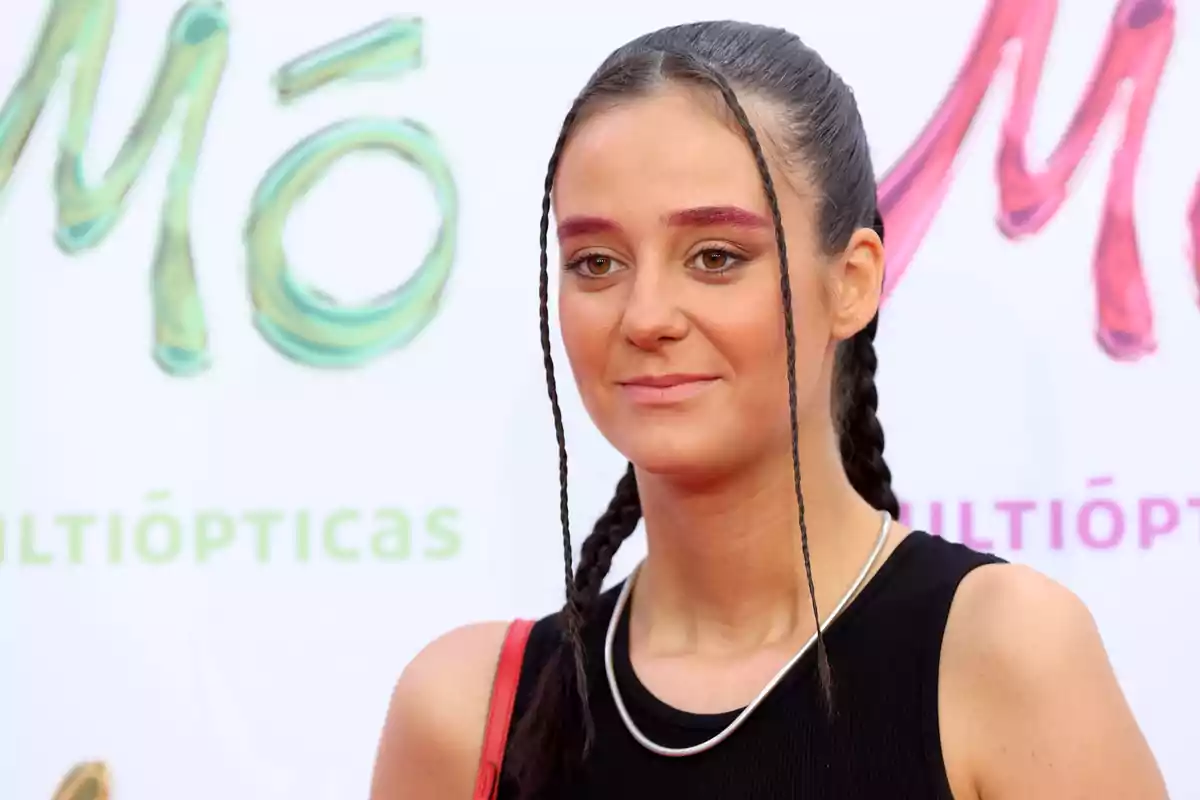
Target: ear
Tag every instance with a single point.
(856, 284)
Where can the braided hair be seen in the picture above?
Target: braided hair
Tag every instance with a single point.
(857, 403)
(825, 132)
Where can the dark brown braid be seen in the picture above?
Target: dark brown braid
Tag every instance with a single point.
(862, 435)
(544, 743)
(572, 617)
(615, 525)
(789, 330)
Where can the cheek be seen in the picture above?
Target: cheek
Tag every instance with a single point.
(756, 346)
(811, 321)
(745, 329)
(586, 322)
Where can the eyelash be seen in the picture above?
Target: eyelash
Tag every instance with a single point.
(734, 260)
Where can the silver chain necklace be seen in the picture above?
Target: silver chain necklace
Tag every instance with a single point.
(709, 744)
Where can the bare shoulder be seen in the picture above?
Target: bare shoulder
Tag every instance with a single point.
(433, 734)
(1016, 619)
(1030, 707)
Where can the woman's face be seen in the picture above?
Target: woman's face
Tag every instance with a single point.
(670, 301)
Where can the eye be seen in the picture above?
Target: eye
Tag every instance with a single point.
(715, 260)
(594, 265)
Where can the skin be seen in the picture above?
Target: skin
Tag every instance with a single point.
(1029, 706)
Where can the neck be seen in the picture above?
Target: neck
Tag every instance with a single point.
(725, 567)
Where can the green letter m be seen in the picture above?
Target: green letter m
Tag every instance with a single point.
(80, 31)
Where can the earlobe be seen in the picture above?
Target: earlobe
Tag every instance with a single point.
(858, 284)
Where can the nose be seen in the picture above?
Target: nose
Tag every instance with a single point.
(652, 315)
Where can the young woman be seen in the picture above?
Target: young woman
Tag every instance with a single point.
(722, 259)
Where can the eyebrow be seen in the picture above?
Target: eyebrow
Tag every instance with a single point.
(705, 216)
(582, 226)
(700, 217)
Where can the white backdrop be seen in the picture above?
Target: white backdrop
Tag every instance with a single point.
(214, 566)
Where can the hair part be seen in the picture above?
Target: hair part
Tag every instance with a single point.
(823, 131)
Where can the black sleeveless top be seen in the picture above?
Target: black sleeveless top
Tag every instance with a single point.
(881, 743)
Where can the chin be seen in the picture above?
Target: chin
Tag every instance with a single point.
(696, 454)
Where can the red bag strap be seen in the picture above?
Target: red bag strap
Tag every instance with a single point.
(500, 710)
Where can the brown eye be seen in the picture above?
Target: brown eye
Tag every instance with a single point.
(716, 261)
(594, 265)
(598, 265)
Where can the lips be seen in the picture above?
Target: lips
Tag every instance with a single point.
(659, 390)
(666, 381)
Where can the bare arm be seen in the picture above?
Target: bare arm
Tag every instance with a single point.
(1030, 707)
(433, 735)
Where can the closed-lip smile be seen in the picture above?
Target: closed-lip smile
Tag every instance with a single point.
(665, 389)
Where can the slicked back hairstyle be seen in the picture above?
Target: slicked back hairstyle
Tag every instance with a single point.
(823, 131)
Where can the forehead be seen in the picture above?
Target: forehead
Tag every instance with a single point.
(647, 156)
